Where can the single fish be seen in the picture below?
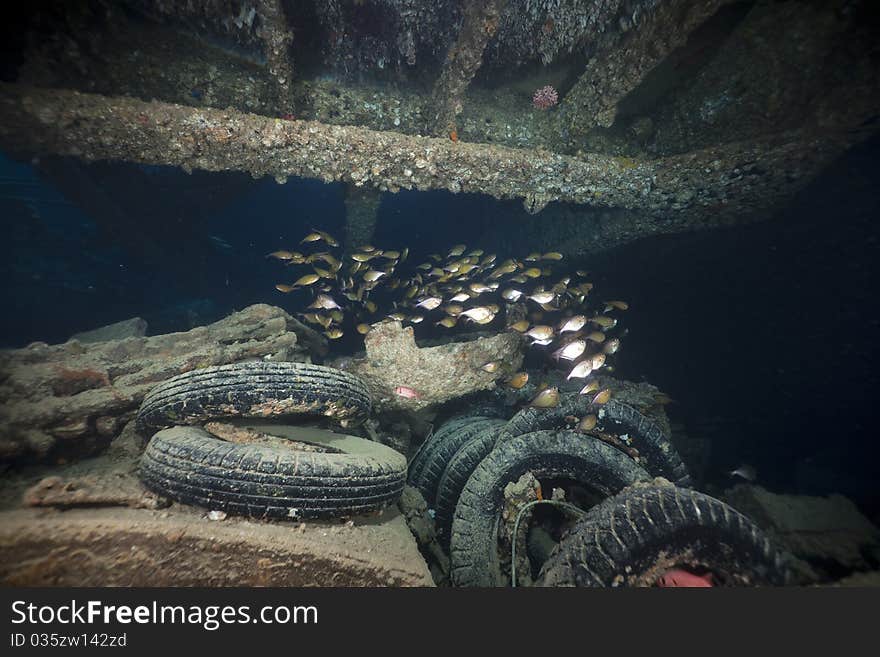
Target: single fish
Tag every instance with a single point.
(587, 423)
(547, 398)
(371, 306)
(542, 297)
(598, 360)
(448, 322)
(602, 397)
(745, 471)
(333, 333)
(372, 275)
(553, 255)
(308, 279)
(611, 346)
(281, 287)
(619, 305)
(518, 380)
(521, 326)
(511, 294)
(311, 237)
(592, 386)
(363, 329)
(532, 272)
(324, 302)
(596, 336)
(575, 323)
(479, 314)
(582, 370)
(457, 250)
(540, 332)
(571, 351)
(281, 255)
(406, 392)
(461, 297)
(604, 322)
(430, 303)
(491, 366)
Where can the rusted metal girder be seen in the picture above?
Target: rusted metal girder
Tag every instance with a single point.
(697, 186)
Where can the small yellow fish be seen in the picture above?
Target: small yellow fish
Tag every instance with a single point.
(323, 273)
(604, 322)
(518, 380)
(532, 257)
(592, 386)
(457, 250)
(308, 279)
(521, 326)
(453, 309)
(372, 275)
(281, 255)
(540, 332)
(417, 319)
(448, 322)
(398, 317)
(363, 329)
(362, 257)
(611, 346)
(553, 255)
(333, 333)
(547, 398)
(532, 272)
(587, 423)
(311, 237)
(281, 287)
(370, 306)
(620, 305)
(479, 314)
(542, 298)
(602, 396)
(491, 366)
(460, 297)
(324, 302)
(596, 336)
(391, 255)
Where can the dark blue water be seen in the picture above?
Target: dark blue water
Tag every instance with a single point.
(765, 335)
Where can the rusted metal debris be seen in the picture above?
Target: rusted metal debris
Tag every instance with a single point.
(693, 186)
(479, 23)
(620, 67)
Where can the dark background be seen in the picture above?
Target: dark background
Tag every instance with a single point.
(764, 335)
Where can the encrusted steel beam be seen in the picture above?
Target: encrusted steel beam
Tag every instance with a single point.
(479, 23)
(276, 45)
(619, 67)
(696, 186)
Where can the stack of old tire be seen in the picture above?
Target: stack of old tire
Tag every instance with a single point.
(650, 521)
(296, 472)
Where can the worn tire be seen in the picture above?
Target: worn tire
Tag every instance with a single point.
(253, 389)
(459, 469)
(418, 460)
(656, 453)
(634, 537)
(267, 481)
(438, 454)
(595, 465)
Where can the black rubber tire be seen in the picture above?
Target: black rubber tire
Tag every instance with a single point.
(656, 453)
(438, 454)
(634, 537)
(595, 465)
(253, 389)
(192, 466)
(459, 469)
(418, 460)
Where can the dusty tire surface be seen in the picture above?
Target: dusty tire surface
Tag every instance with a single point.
(418, 460)
(459, 469)
(595, 465)
(253, 389)
(631, 539)
(441, 449)
(656, 453)
(260, 480)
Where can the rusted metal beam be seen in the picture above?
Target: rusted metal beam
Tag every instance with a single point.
(695, 186)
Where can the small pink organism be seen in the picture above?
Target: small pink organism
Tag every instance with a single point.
(406, 392)
(545, 98)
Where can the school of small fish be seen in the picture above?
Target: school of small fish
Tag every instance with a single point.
(455, 289)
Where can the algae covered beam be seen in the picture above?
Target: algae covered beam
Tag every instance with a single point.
(478, 25)
(620, 66)
(276, 45)
(688, 187)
